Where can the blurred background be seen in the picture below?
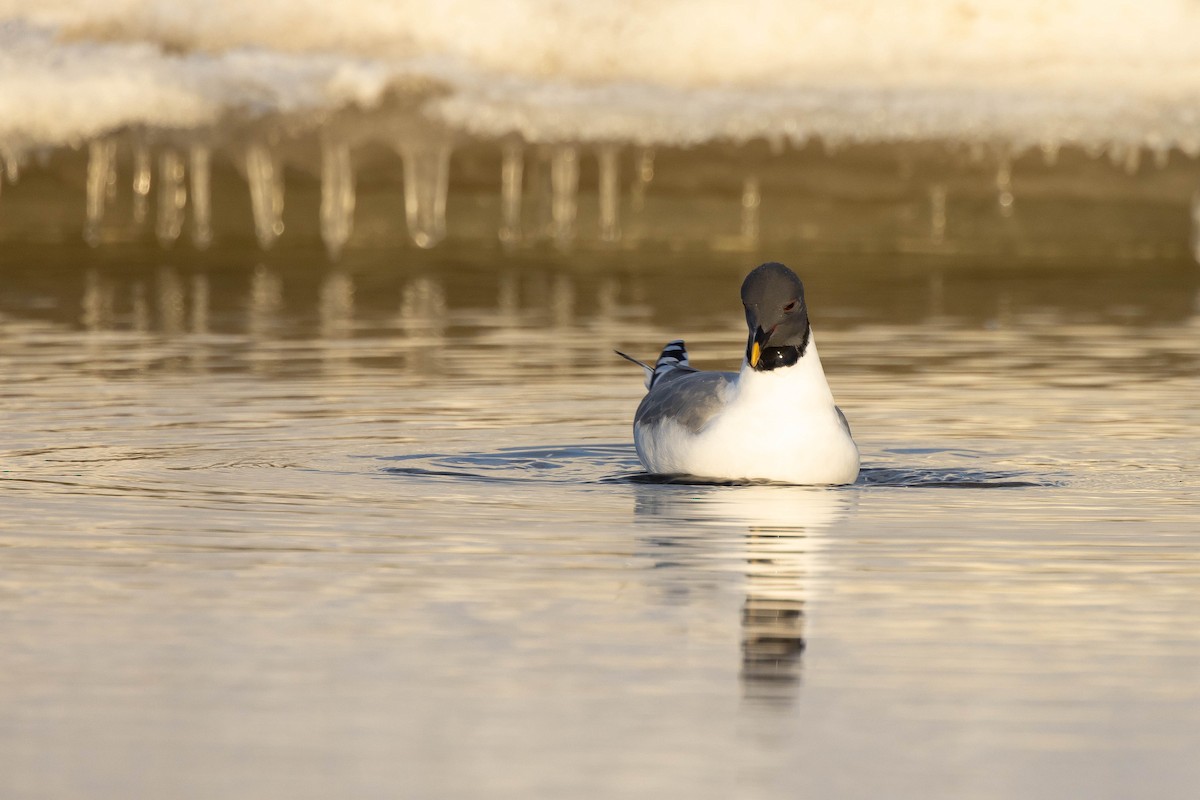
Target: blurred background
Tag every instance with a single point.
(1023, 127)
(316, 471)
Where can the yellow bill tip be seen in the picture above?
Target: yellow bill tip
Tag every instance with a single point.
(755, 352)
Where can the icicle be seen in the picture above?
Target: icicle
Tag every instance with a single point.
(937, 213)
(610, 194)
(643, 175)
(337, 195)
(8, 166)
(101, 155)
(265, 175)
(512, 168)
(426, 177)
(200, 158)
(539, 187)
(1050, 148)
(141, 182)
(1125, 156)
(1196, 226)
(172, 196)
(564, 189)
(1133, 159)
(1004, 193)
(1115, 153)
(751, 201)
(110, 180)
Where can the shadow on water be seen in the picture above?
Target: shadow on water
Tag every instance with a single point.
(618, 464)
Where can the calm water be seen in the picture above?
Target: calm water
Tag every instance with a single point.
(277, 530)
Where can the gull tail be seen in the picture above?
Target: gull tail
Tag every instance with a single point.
(673, 356)
(649, 369)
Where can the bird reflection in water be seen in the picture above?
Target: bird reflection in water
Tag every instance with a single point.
(776, 541)
(772, 615)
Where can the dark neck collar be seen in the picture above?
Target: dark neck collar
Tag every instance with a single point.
(778, 357)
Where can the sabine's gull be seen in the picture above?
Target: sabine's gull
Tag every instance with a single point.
(775, 420)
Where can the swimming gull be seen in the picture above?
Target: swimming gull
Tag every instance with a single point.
(774, 420)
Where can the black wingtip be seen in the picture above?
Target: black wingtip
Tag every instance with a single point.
(641, 364)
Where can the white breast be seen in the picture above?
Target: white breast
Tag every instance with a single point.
(780, 425)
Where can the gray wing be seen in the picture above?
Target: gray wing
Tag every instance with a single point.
(845, 424)
(686, 396)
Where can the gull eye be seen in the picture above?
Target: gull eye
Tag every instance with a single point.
(790, 307)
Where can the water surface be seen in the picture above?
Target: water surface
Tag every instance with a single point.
(276, 529)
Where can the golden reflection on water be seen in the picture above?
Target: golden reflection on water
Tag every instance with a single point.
(210, 460)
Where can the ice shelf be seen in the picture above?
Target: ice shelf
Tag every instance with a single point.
(411, 183)
(583, 114)
(1120, 76)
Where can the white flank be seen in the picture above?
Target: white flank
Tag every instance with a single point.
(780, 425)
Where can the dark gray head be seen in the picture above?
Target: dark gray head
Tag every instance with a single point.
(777, 317)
